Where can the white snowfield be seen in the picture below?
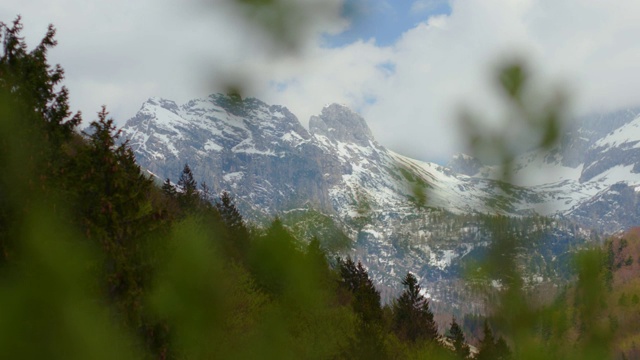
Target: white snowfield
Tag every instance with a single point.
(628, 134)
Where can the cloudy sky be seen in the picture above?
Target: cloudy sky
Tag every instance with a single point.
(407, 66)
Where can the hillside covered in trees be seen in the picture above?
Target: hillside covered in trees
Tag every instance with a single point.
(98, 261)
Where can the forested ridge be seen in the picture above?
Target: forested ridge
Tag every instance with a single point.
(98, 261)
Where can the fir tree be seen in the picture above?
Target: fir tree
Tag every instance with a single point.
(188, 197)
(168, 188)
(186, 181)
(490, 348)
(366, 298)
(33, 82)
(92, 181)
(365, 302)
(229, 212)
(205, 193)
(238, 234)
(35, 122)
(487, 345)
(112, 197)
(502, 351)
(349, 274)
(413, 320)
(456, 335)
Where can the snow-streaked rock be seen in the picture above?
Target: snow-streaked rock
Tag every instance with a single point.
(400, 212)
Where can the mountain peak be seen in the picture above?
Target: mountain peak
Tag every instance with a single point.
(163, 103)
(235, 104)
(338, 122)
(464, 164)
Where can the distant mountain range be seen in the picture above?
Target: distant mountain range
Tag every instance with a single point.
(390, 206)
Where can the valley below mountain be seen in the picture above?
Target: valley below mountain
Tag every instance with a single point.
(394, 213)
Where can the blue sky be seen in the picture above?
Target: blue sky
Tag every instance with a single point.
(385, 21)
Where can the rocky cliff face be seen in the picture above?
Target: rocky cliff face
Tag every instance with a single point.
(401, 214)
(340, 124)
(464, 164)
(260, 153)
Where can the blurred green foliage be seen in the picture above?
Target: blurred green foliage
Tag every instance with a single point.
(289, 24)
(50, 306)
(533, 121)
(572, 327)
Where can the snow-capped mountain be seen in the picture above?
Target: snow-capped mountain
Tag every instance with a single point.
(400, 213)
(595, 161)
(248, 149)
(265, 157)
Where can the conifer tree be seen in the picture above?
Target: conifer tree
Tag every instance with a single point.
(502, 351)
(229, 212)
(33, 82)
(365, 302)
(487, 345)
(114, 190)
(413, 320)
(186, 181)
(188, 197)
(112, 201)
(92, 179)
(456, 335)
(205, 193)
(349, 274)
(366, 298)
(35, 122)
(168, 188)
(238, 234)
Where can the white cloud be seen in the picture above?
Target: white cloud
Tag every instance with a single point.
(120, 53)
(349, 75)
(587, 46)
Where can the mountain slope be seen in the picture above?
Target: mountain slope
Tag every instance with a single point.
(401, 214)
(243, 149)
(263, 155)
(594, 161)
